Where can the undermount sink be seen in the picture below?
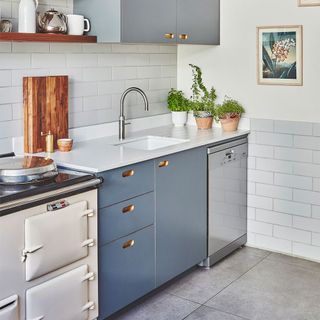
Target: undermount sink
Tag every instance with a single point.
(150, 143)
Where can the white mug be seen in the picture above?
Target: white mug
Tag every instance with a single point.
(78, 24)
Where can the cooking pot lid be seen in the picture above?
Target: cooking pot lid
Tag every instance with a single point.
(25, 165)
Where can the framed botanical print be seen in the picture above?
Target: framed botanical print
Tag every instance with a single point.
(308, 3)
(280, 55)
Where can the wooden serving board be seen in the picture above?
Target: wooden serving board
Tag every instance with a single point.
(45, 102)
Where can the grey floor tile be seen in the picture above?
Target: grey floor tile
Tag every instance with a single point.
(272, 290)
(205, 313)
(162, 306)
(305, 264)
(201, 285)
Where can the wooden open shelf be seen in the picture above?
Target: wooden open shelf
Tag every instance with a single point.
(45, 37)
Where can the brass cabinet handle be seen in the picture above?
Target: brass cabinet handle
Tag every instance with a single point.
(183, 36)
(169, 35)
(128, 173)
(128, 244)
(164, 164)
(128, 209)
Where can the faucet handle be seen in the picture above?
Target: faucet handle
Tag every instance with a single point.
(127, 123)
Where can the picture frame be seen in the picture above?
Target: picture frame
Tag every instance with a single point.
(308, 3)
(280, 55)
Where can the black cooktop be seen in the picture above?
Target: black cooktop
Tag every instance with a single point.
(65, 178)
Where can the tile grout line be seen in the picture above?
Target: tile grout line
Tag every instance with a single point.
(263, 259)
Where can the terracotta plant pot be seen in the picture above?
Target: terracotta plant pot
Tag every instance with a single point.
(204, 123)
(230, 124)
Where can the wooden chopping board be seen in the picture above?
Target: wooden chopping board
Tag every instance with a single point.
(45, 103)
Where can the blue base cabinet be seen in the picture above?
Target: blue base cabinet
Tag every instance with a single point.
(126, 271)
(152, 226)
(181, 212)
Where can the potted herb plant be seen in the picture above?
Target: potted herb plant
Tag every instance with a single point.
(229, 114)
(179, 106)
(202, 101)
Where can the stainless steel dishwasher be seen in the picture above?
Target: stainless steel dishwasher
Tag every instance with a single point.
(227, 199)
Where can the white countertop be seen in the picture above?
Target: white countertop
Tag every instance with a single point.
(100, 155)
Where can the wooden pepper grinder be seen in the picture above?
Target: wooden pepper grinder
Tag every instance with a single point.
(49, 141)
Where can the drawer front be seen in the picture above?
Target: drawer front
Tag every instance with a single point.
(126, 217)
(126, 270)
(127, 182)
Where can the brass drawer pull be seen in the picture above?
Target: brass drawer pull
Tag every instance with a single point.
(169, 35)
(183, 36)
(128, 209)
(128, 173)
(164, 164)
(128, 244)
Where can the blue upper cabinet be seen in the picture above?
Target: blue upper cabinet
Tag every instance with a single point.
(198, 22)
(181, 212)
(149, 21)
(153, 21)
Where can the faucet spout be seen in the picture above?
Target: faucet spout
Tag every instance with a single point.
(122, 119)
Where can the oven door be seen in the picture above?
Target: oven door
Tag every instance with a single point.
(55, 239)
(9, 308)
(64, 297)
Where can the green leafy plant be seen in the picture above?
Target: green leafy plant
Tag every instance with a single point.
(177, 102)
(230, 108)
(202, 99)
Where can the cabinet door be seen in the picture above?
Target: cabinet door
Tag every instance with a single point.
(198, 22)
(181, 213)
(126, 271)
(148, 21)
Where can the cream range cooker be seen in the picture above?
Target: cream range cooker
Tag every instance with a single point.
(48, 242)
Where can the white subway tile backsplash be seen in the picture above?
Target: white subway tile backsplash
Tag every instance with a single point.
(274, 217)
(46, 60)
(293, 127)
(274, 165)
(292, 234)
(163, 59)
(262, 151)
(292, 208)
(316, 212)
(148, 72)
(97, 74)
(15, 61)
(292, 154)
(274, 244)
(308, 224)
(312, 143)
(6, 112)
(260, 176)
(5, 78)
(259, 202)
(306, 251)
(274, 139)
(273, 191)
(124, 73)
(307, 169)
(289, 199)
(310, 197)
(293, 181)
(262, 125)
(260, 227)
(316, 239)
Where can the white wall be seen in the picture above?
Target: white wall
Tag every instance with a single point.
(231, 67)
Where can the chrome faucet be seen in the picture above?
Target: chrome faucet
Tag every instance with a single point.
(122, 119)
